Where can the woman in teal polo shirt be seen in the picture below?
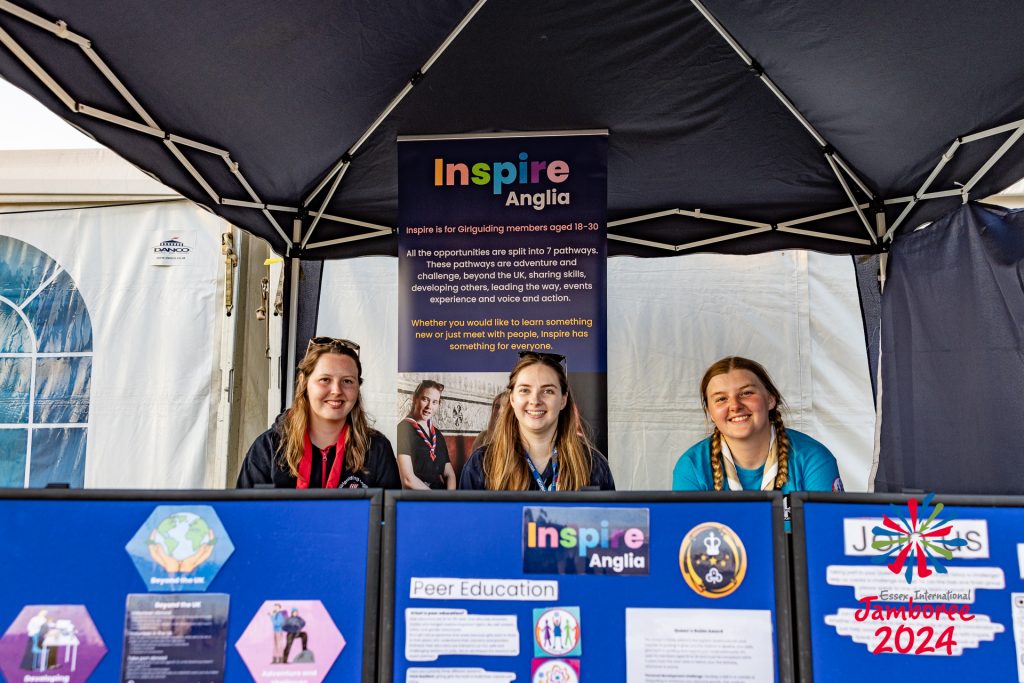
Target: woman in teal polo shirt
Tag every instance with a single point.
(750, 448)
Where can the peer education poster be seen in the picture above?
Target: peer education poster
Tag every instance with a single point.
(502, 249)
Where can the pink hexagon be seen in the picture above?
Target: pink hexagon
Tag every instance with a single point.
(289, 638)
(45, 640)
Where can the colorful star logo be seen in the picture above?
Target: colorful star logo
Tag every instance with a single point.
(924, 537)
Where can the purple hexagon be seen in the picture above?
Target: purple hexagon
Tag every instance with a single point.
(289, 637)
(51, 640)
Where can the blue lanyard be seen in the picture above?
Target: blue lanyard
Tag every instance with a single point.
(554, 472)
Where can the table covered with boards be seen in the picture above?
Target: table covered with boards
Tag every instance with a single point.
(315, 586)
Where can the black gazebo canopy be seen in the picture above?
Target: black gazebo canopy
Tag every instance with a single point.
(734, 126)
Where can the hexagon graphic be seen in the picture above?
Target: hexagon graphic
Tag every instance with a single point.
(51, 642)
(180, 548)
(290, 638)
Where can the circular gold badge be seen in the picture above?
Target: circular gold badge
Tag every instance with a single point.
(713, 560)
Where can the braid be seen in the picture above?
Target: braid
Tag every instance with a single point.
(782, 444)
(716, 458)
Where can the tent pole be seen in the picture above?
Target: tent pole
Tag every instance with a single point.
(849, 193)
(346, 240)
(883, 259)
(291, 311)
(883, 262)
(1003, 149)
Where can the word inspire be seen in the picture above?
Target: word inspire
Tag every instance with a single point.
(904, 637)
(586, 540)
(498, 174)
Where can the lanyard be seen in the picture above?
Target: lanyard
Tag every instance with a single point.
(554, 472)
(431, 441)
(306, 464)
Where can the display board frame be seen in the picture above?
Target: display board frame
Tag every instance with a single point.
(375, 498)
(783, 625)
(800, 572)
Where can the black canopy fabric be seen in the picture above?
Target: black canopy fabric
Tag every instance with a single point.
(763, 113)
(953, 356)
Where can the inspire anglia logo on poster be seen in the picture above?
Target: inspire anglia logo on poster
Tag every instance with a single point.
(577, 540)
(531, 175)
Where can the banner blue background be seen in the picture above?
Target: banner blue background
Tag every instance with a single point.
(838, 658)
(484, 540)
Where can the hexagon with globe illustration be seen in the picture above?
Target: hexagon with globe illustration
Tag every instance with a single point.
(180, 548)
(51, 643)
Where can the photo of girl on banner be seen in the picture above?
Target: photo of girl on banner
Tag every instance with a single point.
(422, 451)
(446, 411)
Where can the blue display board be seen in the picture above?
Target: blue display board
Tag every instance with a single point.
(455, 554)
(957, 622)
(309, 553)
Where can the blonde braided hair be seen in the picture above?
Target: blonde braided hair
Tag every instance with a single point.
(716, 459)
(782, 448)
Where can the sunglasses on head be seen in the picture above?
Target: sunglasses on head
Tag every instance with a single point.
(333, 342)
(556, 358)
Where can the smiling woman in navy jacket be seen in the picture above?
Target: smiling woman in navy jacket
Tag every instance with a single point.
(537, 442)
(324, 440)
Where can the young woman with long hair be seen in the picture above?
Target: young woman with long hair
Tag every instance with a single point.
(536, 443)
(422, 452)
(325, 439)
(750, 448)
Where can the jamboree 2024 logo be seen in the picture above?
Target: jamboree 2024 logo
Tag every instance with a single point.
(916, 546)
(586, 540)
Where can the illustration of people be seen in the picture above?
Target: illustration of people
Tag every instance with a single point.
(558, 629)
(294, 627)
(278, 616)
(547, 633)
(37, 657)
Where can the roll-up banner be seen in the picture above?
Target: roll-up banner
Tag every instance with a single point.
(501, 250)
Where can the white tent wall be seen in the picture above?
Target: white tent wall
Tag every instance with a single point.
(80, 177)
(796, 312)
(243, 352)
(155, 376)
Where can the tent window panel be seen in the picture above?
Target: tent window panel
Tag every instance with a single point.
(62, 390)
(22, 269)
(58, 455)
(15, 377)
(60, 317)
(13, 449)
(14, 335)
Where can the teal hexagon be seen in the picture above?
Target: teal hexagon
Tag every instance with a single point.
(180, 548)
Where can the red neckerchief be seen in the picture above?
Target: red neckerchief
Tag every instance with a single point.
(306, 464)
(431, 441)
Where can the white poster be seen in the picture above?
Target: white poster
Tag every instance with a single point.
(722, 645)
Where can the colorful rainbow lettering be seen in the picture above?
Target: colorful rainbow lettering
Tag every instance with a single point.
(500, 173)
(583, 538)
